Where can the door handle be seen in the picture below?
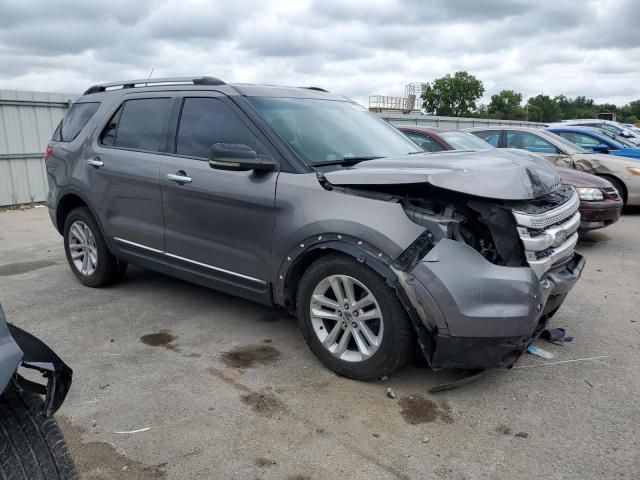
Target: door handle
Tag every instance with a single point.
(179, 177)
(95, 162)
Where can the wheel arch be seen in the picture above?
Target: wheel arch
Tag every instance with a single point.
(68, 201)
(295, 264)
(618, 181)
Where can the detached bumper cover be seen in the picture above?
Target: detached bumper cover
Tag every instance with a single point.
(19, 348)
(483, 315)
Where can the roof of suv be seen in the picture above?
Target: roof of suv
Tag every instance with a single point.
(196, 83)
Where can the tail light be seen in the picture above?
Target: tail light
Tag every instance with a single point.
(48, 152)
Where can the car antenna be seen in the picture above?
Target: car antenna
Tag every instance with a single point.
(151, 72)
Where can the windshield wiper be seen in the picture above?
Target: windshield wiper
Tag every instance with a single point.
(347, 161)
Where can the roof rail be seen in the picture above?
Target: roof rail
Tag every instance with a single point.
(149, 82)
(318, 89)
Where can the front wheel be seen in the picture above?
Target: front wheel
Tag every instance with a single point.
(352, 320)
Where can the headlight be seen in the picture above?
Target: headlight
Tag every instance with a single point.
(590, 194)
(634, 170)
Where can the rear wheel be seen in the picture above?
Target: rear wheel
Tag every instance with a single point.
(87, 252)
(352, 320)
(31, 446)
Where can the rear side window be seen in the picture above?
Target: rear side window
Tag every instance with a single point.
(139, 124)
(74, 121)
(529, 141)
(207, 121)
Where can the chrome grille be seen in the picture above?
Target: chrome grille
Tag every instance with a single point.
(549, 237)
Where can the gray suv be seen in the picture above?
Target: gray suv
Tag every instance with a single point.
(300, 198)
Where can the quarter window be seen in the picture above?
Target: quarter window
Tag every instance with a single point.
(207, 121)
(139, 124)
(74, 121)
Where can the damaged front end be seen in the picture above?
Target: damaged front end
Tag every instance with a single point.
(21, 349)
(487, 273)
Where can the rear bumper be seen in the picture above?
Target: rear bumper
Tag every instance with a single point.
(482, 315)
(21, 349)
(595, 215)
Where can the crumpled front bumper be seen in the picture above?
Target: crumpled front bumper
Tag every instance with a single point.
(21, 349)
(483, 315)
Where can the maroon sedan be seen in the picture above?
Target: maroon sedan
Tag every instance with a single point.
(600, 204)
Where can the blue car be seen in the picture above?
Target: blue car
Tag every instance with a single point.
(594, 139)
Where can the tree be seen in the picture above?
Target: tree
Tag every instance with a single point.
(454, 96)
(506, 105)
(543, 108)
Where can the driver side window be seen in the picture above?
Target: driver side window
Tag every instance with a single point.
(206, 121)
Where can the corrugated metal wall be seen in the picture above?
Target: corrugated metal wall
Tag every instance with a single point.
(450, 122)
(27, 121)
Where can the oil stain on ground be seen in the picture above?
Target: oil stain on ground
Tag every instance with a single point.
(163, 338)
(248, 356)
(101, 461)
(416, 409)
(23, 267)
(264, 404)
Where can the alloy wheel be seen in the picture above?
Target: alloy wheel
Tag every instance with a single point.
(82, 248)
(346, 318)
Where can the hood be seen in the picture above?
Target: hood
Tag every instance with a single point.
(504, 174)
(581, 179)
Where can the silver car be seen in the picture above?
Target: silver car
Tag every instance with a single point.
(302, 199)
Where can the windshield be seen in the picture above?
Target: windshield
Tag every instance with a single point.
(465, 141)
(326, 130)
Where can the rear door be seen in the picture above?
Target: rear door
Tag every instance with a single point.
(125, 169)
(218, 224)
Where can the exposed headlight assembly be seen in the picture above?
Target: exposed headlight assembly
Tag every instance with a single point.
(590, 194)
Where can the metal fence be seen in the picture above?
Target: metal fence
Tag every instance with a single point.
(27, 121)
(455, 123)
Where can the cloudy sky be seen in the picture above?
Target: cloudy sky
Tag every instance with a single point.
(356, 48)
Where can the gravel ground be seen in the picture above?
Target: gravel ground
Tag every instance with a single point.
(218, 387)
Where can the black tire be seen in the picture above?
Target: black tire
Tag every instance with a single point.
(397, 342)
(108, 269)
(31, 447)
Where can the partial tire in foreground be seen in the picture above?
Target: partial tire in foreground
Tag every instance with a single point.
(87, 252)
(31, 447)
(352, 320)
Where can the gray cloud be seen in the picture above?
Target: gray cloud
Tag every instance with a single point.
(356, 48)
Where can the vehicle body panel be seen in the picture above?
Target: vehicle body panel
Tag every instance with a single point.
(524, 175)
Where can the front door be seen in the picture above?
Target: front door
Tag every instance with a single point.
(218, 224)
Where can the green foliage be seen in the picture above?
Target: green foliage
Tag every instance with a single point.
(543, 108)
(454, 96)
(506, 105)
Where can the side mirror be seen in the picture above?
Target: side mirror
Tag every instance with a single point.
(600, 148)
(238, 157)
